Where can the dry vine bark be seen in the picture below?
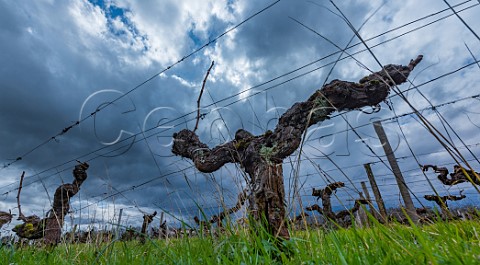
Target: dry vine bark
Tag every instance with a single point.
(261, 156)
(325, 195)
(50, 227)
(442, 201)
(242, 197)
(205, 225)
(458, 175)
(5, 218)
(147, 220)
(299, 219)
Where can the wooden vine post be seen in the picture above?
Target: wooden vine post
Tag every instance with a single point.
(402, 185)
(376, 192)
(262, 156)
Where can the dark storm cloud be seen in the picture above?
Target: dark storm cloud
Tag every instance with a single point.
(56, 56)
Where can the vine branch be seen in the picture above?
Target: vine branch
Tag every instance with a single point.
(200, 96)
(20, 214)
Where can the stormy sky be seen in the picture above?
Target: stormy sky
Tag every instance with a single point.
(131, 71)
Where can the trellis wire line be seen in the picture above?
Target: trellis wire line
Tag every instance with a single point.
(134, 187)
(442, 118)
(418, 167)
(296, 179)
(358, 62)
(74, 160)
(376, 175)
(381, 185)
(430, 127)
(342, 50)
(328, 170)
(411, 150)
(183, 116)
(334, 53)
(395, 117)
(66, 129)
(444, 75)
(308, 140)
(351, 183)
(461, 19)
(413, 153)
(346, 120)
(376, 155)
(313, 199)
(394, 29)
(380, 160)
(196, 208)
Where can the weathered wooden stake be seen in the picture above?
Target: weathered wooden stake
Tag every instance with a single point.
(376, 192)
(117, 232)
(362, 219)
(367, 196)
(409, 206)
(160, 227)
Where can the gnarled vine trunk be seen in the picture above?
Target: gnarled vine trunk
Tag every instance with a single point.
(5, 218)
(442, 201)
(50, 227)
(269, 198)
(147, 220)
(261, 156)
(327, 211)
(459, 175)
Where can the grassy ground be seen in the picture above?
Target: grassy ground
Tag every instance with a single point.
(441, 243)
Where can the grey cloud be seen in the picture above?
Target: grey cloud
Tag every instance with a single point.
(47, 75)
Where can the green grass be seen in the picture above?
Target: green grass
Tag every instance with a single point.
(441, 243)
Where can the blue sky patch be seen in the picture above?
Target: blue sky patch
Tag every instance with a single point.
(196, 40)
(113, 12)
